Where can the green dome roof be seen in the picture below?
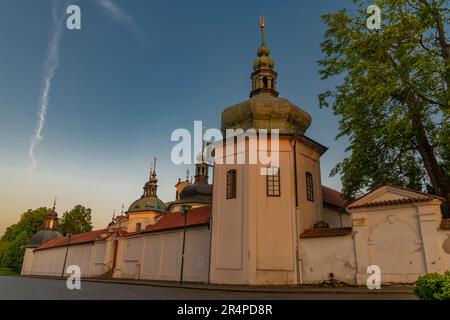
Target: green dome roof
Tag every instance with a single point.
(266, 112)
(147, 204)
(149, 200)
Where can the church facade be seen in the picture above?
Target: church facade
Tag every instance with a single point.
(282, 228)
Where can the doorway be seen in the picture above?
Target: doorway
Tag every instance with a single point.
(115, 246)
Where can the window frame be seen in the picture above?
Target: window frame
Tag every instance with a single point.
(274, 181)
(309, 186)
(231, 184)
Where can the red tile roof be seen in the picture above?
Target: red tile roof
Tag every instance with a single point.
(75, 239)
(174, 220)
(426, 197)
(332, 197)
(391, 202)
(325, 232)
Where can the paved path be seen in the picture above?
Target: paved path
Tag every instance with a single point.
(37, 288)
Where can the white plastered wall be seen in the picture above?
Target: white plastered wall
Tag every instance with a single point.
(323, 256)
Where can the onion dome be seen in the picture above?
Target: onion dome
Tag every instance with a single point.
(263, 61)
(47, 234)
(200, 191)
(43, 236)
(264, 109)
(149, 201)
(147, 204)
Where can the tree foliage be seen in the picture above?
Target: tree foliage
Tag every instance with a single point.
(393, 96)
(77, 220)
(13, 256)
(30, 222)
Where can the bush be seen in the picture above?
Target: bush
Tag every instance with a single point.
(7, 272)
(433, 286)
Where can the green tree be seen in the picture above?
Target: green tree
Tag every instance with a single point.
(77, 220)
(30, 222)
(393, 96)
(13, 256)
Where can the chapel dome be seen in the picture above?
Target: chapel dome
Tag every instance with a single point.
(149, 200)
(197, 192)
(43, 236)
(147, 204)
(266, 112)
(264, 109)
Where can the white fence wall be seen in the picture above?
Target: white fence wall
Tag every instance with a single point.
(158, 256)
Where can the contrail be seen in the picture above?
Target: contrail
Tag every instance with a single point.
(51, 64)
(121, 16)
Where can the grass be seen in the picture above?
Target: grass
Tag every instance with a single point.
(7, 272)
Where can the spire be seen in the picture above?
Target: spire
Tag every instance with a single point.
(154, 169)
(262, 26)
(201, 168)
(152, 185)
(123, 206)
(52, 217)
(263, 76)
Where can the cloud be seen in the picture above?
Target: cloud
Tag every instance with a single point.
(117, 13)
(51, 64)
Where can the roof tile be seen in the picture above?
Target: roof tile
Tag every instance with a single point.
(391, 202)
(174, 220)
(332, 197)
(325, 232)
(74, 239)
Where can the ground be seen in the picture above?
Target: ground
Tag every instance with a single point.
(13, 287)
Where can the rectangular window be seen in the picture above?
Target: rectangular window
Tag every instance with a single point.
(273, 182)
(231, 184)
(309, 187)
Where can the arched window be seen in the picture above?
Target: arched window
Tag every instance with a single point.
(231, 184)
(273, 182)
(265, 82)
(138, 227)
(309, 187)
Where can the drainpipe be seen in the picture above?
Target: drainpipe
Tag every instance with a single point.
(297, 254)
(65, 258)
(297, 258)
(295, 172)
(210, 231)
(185, 209)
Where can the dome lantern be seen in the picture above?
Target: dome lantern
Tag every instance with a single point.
(264, 109)
(263, 77)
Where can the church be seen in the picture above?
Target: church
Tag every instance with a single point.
(252, 229)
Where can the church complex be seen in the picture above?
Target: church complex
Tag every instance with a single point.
(251, 229)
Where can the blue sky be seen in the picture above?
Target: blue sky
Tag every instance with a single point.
(120, 91)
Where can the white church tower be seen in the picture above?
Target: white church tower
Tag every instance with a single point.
(257, 219)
